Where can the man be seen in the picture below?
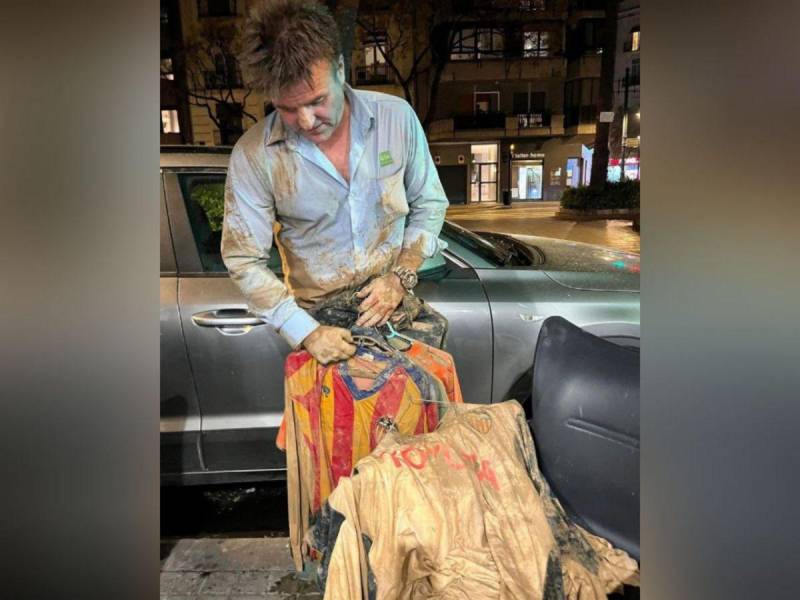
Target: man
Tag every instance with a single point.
(343, 176)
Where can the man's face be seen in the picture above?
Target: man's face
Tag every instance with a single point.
(314, 109)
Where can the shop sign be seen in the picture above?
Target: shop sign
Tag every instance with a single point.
(525, 155)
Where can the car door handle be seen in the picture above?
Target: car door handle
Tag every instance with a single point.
(226, 317)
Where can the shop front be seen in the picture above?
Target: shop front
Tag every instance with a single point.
(527, 174)
(540, 170)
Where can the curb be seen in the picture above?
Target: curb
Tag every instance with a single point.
(572, 214)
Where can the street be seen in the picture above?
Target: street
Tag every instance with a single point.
(539, 219)
(228, 542)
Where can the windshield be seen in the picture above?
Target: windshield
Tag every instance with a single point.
(495, 248)
(485, 249)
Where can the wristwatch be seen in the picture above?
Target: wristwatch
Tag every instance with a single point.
(408, 277)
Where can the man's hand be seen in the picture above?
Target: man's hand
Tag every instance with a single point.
(329, 344)
(383, 295)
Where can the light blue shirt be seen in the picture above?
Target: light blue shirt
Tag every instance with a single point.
(332, 234)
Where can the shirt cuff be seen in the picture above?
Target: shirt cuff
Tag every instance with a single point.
(297, 327)
(423, 242)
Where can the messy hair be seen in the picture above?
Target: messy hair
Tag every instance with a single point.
(283, 39)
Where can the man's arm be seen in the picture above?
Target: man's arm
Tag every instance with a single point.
(427, 201)
(246, 244)
(427, 204)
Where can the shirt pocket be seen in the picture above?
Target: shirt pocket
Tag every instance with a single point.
(391, 193)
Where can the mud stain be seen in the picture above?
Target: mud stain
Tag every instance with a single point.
(284, 175)
(393, 198)
(291, 584)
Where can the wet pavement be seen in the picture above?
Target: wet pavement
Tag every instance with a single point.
(228, 543)
(539, 219)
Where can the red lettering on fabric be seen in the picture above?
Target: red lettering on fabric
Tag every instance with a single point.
(406, 453)
(486, 473)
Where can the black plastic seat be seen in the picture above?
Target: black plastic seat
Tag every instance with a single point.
(585, 422)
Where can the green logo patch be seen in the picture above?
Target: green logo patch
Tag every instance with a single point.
(385, 158)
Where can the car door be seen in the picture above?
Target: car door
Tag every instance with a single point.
(180, 410)
(236, 359)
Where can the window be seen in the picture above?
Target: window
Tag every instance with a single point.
(226, 73)
(373, 67)
(530, 110)
(166, 69)
(536, 43)
(473, 44)
(487, 102)
(635, 39)
(635, 78)
(204, 195)
(169, 121)
(217, 8)
(463, 45)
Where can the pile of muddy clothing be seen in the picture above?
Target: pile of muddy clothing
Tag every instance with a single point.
(336, 414)
(460, 512)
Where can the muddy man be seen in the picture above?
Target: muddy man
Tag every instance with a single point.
(341, 180)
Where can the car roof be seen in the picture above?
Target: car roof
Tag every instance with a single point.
(195, 156)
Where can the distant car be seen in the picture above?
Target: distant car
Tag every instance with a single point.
(222, 368)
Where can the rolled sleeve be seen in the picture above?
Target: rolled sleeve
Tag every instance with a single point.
(427, 201)
(246, 245)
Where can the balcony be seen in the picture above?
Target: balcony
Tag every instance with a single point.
(502, 69)
(495, 126)
(490, 120)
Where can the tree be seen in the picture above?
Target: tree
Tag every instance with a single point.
(214, 80)
(606, 94)
(415, 42)
(345, 13)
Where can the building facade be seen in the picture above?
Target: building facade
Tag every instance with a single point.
(517, 96)
(625, 135)
(507, 89)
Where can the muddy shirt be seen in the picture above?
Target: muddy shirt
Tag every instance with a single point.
(331, 234)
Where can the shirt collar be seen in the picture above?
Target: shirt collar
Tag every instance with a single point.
(359, 111)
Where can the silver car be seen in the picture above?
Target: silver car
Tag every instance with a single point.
(222, 368)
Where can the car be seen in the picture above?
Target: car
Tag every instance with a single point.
(222, 368)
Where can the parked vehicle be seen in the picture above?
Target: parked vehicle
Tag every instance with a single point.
(221, 367)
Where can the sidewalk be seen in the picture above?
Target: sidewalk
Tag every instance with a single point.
(538, 218)
(230, 569)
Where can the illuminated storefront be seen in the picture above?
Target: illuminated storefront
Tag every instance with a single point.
(527, 170)
(631, 168)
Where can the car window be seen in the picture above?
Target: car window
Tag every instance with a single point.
(204, 195)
